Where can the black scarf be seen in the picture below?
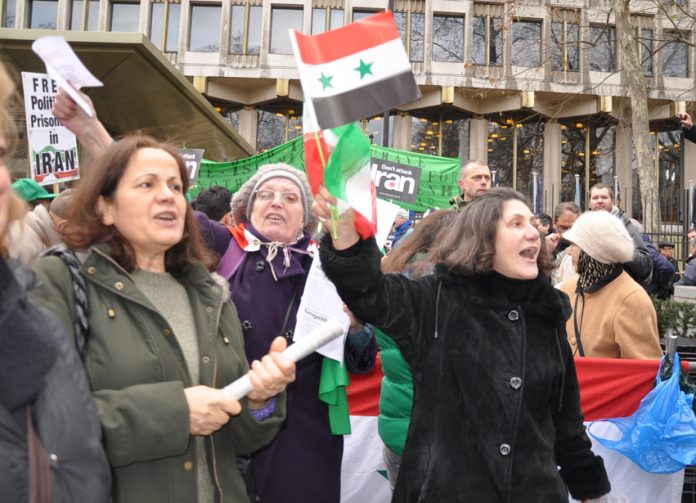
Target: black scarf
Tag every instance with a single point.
(594, 274)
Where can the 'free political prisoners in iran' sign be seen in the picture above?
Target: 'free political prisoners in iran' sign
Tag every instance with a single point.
(52, 148)
(395, 181)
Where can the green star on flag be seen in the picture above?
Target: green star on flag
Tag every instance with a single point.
(364, 69)
(325, 80)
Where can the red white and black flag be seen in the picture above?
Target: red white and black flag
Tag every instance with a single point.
(356, 71)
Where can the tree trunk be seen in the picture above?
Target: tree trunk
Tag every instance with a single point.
(637, 92)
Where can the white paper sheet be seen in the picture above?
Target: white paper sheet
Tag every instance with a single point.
(320, 303)
(63, 65)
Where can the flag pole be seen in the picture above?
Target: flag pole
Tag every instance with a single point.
(385, 126)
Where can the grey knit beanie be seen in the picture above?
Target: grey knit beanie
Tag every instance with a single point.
(243, 199)
(602, 236)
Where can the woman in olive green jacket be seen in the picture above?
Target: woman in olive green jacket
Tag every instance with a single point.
(162, 335)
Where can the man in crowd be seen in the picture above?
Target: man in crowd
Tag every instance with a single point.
(640, 266)
(474, 179)
(662, 281)
(564, 216)
(39, 230)
(215, 203)
(401, 228)
(33, 193)
(667, 250)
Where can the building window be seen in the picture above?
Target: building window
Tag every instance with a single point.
(43, 14)
(448, 39)
(565, 37)
(676, 54)
(602, 48)
(587, 157)
(516, 154)
(282, 20)
(164, 25)
(326, 18)
(439, 132)
(526, 43)
(8, 17)
(124, 16)
(645, 49)
(245, 30)
(488, 35)
(205, 28)
(84, 15)
(362, 14)
(278, 125)
(411, 24)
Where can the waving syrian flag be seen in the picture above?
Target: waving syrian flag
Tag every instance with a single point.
(355, 71)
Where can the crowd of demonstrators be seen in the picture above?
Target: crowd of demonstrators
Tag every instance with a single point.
(474, 180)
(485, 339)
(215, 203)
(45, 403)
(266, 258)
(396, 397)
(40, 229)
(640, 265)
(161, 334)
(613, 316)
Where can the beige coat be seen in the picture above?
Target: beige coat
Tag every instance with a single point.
(616, 321)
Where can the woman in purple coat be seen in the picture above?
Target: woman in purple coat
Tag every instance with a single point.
(266, 260)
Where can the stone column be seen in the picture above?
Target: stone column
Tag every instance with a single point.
(248, 123)
(478, 139)
(552, 166)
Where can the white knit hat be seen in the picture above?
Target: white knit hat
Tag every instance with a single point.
(602, 236)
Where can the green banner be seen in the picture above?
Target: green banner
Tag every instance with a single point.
(433, 188)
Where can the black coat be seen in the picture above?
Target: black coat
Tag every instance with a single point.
(496, 396)
(39, 366)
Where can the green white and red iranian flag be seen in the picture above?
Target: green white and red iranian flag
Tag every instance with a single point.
(356, 71)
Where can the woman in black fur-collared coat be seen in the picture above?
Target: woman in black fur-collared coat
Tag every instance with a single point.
(496, 414)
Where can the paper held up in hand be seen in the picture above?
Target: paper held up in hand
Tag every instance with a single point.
(63, 65)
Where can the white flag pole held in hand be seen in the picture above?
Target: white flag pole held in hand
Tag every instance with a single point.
(317, 338)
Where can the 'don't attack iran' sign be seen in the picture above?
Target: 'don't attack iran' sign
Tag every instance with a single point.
(52, 148)
(395, 181)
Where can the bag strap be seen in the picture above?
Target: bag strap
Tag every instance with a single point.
(79, 286)
(39, 469)
(288, 334)
(578, 340)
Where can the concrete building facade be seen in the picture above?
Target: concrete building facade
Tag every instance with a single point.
(534, 87)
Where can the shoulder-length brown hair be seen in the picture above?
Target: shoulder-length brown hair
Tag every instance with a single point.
(423, 237)
(469, 247)
(85, 227)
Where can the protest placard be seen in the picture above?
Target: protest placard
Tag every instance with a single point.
(52, 148)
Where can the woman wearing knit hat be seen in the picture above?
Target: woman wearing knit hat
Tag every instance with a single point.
(613, 316)
(266, 263)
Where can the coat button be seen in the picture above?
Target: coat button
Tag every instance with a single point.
(91, 270)
(246, 326)
(515, 383)
(504, 449)
(513, 315)
(118, 285)
(166, 332)
(188, 466)
(209, 309)
(260, 266)
(111, 313)
(205, 359)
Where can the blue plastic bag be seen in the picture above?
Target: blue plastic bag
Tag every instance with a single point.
(660, 436)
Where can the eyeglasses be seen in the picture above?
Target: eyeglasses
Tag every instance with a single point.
(267, 195)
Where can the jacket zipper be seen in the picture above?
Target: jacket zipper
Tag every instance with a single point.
(214, 383)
